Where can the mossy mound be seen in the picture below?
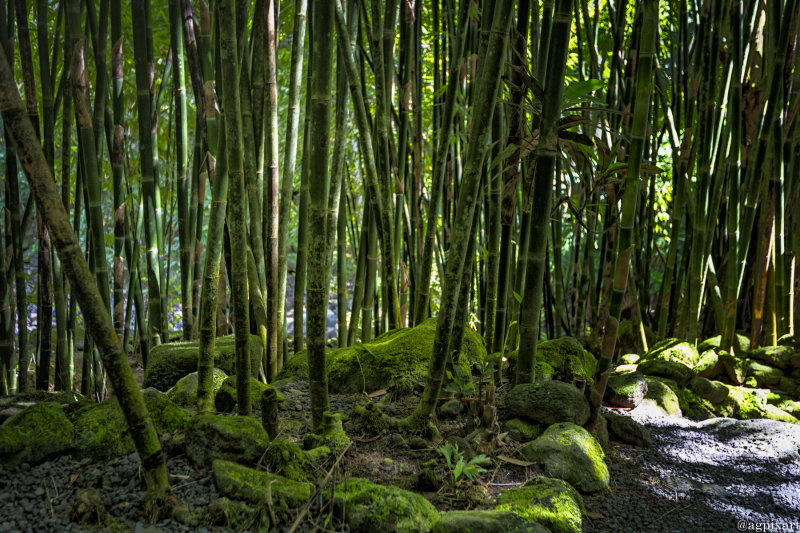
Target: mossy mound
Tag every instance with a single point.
(626, 390)
(661, 397)
(678, 372)
(230, 438)
(331, 435)
(735, 367)
(626, 429)
(225, 400)
(287, 459)
(751, 403)
(485, 522)
(38, 433)
(625, 340)
(569, 452)
(765, 375)
(242, 483)
(401, 351)
(709, 366)
(713, 391)
(168, 363)
(369, 508)
(549, 502)
(741, 402)
(522, 431)
(593, 345)
(41, 396)
(102, 433)
(548, 402)
(561, 359)
(674, 350)
(184, 393)
(741, 344)
(777, 356)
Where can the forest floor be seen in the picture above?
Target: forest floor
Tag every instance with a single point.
(706, 476)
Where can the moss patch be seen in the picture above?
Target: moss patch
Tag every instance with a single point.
(231, 438)
(674, 350)
(775, 413)
(184, 393)
(662, 396)
(522, 431)
(285, 458)
(550, 502)
(243, 483)
(741, 344)
(38, 433)
(225, 399)
(484, 522)
(331, 435)
(561, 359)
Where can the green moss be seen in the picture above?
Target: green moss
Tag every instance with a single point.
(368, 416)
(225, 399)
(403, 351)
(751, 402)
(243, 483)
(674, 350)
(522, 431)
(184, 393)
(40, 396)
(482, 522)
(550, 502)
(285, 458)
(693, 406)
(775, 413)
(741, 344)
(231, 438)
(37, 433)
(168, 363)
(766, 376)
(102, 433)
(674, 370)
(225, 513)
(709, 366)
(331, 435)
(561, 359)
(662, 395)
(629, 359)
(372, 508)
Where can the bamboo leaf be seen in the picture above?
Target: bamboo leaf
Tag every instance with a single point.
(519, 299)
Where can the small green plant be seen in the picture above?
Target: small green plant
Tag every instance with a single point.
(460, 384)
(458, 466)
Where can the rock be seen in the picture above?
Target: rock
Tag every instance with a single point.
(603, 437)
(789, 386)
(777, 356)
(741, 345)
(567, 358)
(548, 402)
(331, 435)
(230, 438)
(750, 403)
(225, 513)
(242, 483)
(673, 370)
(101, 432)
(37, 433)
(566, 451)
(593, 345)
(625, 340)
(417, 443)
(735, 367)
(713, 391)
(782, 439)
(622, 370)
(485, 522)
(551, 503)
(775, 413)
(287, 459)
(765, 375)
(697, 408)
(404, 352)
(521, 431)
(790, 340)
(626, 430)
(674, 350)
(450, 409)
(225, 399)
(788, 406)
(627, 390)
(661, 396)
(629, 359)
(751, 382)
(370, 508)
(429, 478)
(184, 393)
(709, 366)
(168, 363)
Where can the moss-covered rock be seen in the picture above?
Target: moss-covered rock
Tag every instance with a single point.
(569, 452)
(400, 351)
(777, 356)
(625, 340)
(626, 390)
(331, 435)
(766, 376)
(620, 370)
(741, 344)
(750, 403)
(225, 513)
(593, 345)
(678, 372)
(709, 366)
(168, 363)
(713, 391)
(101, 432)
(485, 522)
(775, 413)
(787, 405)
(626, 430)
(629, 359)
(735, 367)
(549, 502)
(660, 398)
(561, 359)
(287, 459)
(790, 339)
(184, 393)
(674, 350)
(242, 483)
(230, 438)
(225, 399)
(369, 508)
(603, 437)
(521, 431)
(38, 433)
(548, 402)
(789, 386)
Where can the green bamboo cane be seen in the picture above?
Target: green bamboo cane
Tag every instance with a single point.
(493, 227)
(358, 287)
(118, 171)
(644, 75)
(8, 355)
(341, 271)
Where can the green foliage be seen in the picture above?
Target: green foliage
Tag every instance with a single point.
(458, 466)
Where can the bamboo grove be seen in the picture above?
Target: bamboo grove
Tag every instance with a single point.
(621, 170)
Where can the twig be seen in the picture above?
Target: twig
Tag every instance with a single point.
(269, 499)
(367, 440)
(670, 511)
(49, 501)
(319, 490)
(190, 483)
(505, 484)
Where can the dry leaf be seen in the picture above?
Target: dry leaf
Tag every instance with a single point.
(72, 478)
(513, 461)
(594, 515)
(377, 393)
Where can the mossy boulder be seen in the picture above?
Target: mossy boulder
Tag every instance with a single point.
(695, 407)
(625, 339)
(101, 432)
(230, 438)
(741, 344)
(777, 356)
(242, 483)
(660, 398)
(787, 405)
(713, 391)
(789, 386)
(593, 345)
(485, 522)
(567, 358)
(766, 376)
(790, 339)
(626, 390)
(168, 363)
(225, 399)
(287, 459)
(400, 351)
(38, 433)
(775, 413)
(629, 359)
(678, 372)
(622, 369)
(674, 350)
(709, 366)
(569, 452)
(521, 431)
(750, 403)
(549, 502)
(626, 430)
(369, 508)
(184, 393)
(548, 402)
(735, 367)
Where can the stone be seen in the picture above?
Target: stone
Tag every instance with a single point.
(777, 356)
(709, 366)
(788, 406)
(567, 358)
(548, 402)
(593, 345)
(790, 340)
(678, 372)
(625, 338)
(450, 409)
(741, 345)
(225, 400)
(184, 393)
(169, 362)
(567, 451)
(551, 503)
(521, 431)
(101, 432)
(603, 438)
(370, 508)
(242, 483)
(765, 375)
(789, 386)
(622, 369)
(775, 413)
(629, 359)
(627, 390)
(38, 433)
(713, 391)
(735, 367)
(626, 430)
(231, 438)
(750, 403)
(485, 522)
(674, 350)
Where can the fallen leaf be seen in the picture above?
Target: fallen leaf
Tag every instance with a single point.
(514, 461)
(377, 393)
(72, 478)
(594, 515)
